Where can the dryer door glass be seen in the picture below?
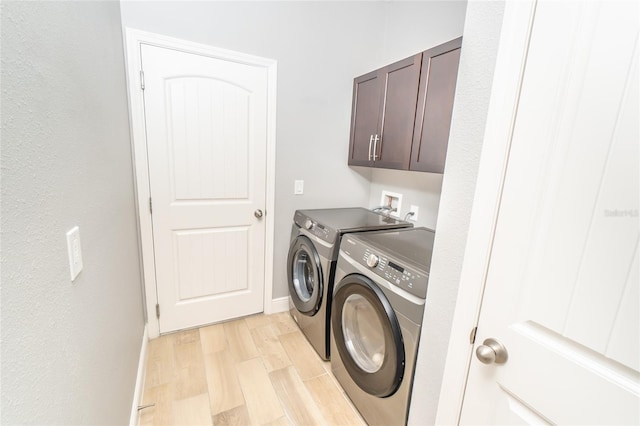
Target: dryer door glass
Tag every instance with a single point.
(304, 276)
(363, 333)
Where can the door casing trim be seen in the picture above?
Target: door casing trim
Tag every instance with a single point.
(133, 39)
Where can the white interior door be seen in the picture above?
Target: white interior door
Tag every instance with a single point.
(562, 289)
(206, 125)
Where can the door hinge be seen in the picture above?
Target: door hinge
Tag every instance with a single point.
(157, 310)
(142, 79)
(472, 336)
(150, 206)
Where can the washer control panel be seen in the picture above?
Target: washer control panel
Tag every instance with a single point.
(386, 266)
(393, 271)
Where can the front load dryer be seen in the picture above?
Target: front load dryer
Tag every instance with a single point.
(315, 241)
(378, 302)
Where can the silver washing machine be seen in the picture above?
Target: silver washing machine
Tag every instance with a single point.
(378, 302)
(315, 241)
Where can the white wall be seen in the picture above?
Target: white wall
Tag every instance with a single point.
(320, 47)
(477, 62)
(417, 188)
(411, 27)
(69, 350)
(420, 189)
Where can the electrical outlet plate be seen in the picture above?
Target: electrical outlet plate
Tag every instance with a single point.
(393, 200)
(414, 209)
(74, 249)
(298, 187)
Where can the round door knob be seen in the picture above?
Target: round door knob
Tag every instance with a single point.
(258, 213)
(372, 260)
(308, 224)
(491, 351)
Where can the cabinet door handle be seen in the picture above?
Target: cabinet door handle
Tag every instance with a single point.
(370, 142)
(375, 147)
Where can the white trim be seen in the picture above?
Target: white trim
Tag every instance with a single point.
(136, 112)
(279, 305)
(142, 368)
(133, 40)
(271, 188)
(510, 63)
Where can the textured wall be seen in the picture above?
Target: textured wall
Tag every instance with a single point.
(477, 62)
(69, 350)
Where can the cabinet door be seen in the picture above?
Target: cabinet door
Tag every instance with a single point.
(435, 106)
(397, 112)
(364, 118)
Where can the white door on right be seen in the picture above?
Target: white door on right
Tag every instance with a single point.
(562, 290)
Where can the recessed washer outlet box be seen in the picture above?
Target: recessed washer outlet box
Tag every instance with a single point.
(393, 200)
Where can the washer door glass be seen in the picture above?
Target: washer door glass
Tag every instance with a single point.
(367, 335)
(363, 333)
(304, 273)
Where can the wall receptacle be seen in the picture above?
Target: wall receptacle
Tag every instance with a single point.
(414, 209)
(393, 201)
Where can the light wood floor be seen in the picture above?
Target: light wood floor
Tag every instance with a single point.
(258, 370)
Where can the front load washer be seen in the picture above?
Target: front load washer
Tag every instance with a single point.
(378, 302)
(315, 241)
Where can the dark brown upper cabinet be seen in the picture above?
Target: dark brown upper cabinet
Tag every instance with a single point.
(435, 105)
(382, 118)
(391, 121)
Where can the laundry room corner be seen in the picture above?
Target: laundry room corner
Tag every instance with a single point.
(477, 62)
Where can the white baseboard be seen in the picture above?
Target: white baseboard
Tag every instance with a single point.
(137, 394)
(279, 305)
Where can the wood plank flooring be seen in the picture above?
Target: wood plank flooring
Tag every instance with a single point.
(258, 370)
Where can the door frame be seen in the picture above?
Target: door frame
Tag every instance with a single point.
(505, 93)
(134, 38)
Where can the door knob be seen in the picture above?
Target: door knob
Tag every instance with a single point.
(258, 213)
(491, 351)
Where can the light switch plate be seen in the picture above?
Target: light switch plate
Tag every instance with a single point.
(74, 249)
(298, 187)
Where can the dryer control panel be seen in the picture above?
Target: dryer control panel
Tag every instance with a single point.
(319, 230)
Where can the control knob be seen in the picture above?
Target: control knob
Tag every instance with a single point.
(308, 224)
(372, 261)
